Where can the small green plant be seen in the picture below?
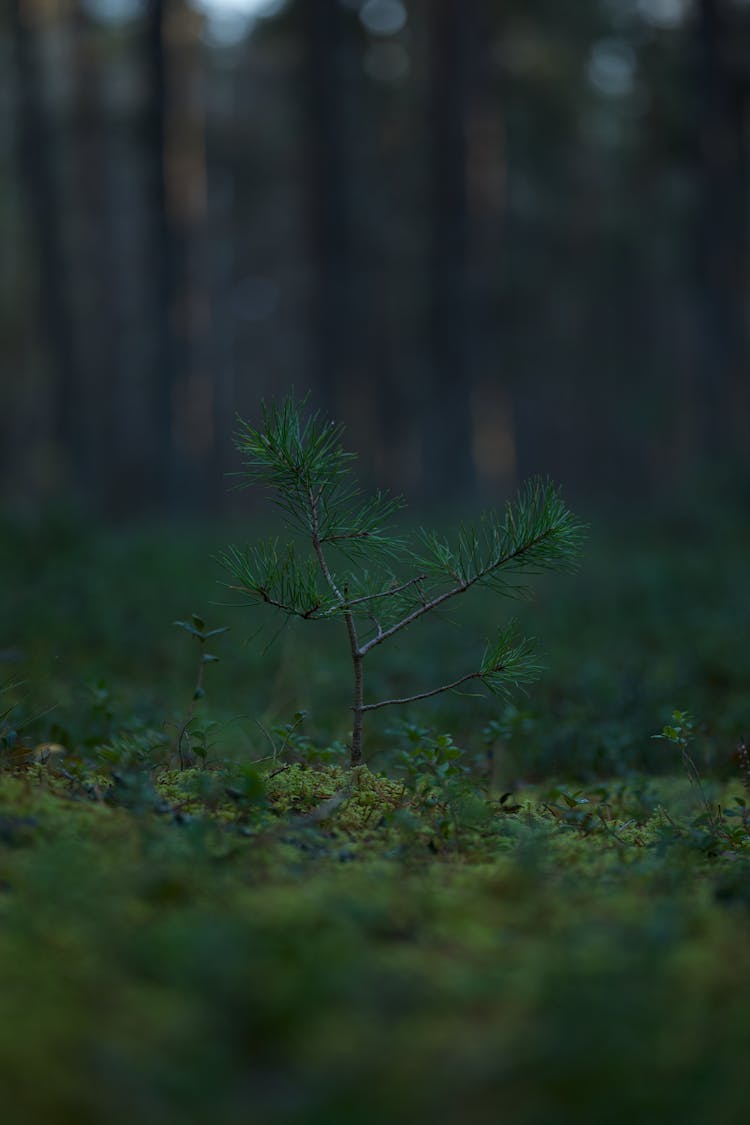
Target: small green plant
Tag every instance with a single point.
(196, 627)
(295, 746)
(430, 760)
(380, 584)
(680, 732)
(8, 727)
(16, 750)
(743, 758)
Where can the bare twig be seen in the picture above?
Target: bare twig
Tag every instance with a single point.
(306, 614)
(390, 593)
(426, 694)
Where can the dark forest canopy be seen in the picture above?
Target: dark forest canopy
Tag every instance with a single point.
(493, 239)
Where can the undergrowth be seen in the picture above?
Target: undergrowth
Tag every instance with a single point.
(287, 943)
(529, 911)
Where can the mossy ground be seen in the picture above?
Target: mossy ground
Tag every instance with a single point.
(307, 959)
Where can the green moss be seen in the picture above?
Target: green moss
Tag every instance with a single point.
(226, 964)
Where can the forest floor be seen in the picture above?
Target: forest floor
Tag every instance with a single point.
(532, 911)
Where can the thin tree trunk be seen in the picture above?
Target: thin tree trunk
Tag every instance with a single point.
(101, 368)
(358, 710)
(722, 233)
(166, 254)
(45, 214)
(332, 292)
(449, 468)
(494, 418)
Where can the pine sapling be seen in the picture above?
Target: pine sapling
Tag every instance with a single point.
(356, 569)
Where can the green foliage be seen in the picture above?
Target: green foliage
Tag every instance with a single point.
(714, 828)
(429, 760)
(137, 749)
(619, 644)
(295, 745)
(535, 533)
(196, 627)
(444, 794)
(302, 460)
(679, 732)
(276, 577)
(508, 662)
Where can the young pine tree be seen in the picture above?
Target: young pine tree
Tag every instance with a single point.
(355, 569)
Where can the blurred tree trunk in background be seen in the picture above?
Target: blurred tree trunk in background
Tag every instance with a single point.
(495, 239)
(225, 222)
(187, 209)
(163, 247)
(167, 253)
(449, 471)
(41, 196)
(723, 236)
(332, 286)
(493, 417)
(98, 273)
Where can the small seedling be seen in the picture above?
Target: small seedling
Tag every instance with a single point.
(743, 757)
(680, 733)
(380, 585)
(13, 750)
(196, 627)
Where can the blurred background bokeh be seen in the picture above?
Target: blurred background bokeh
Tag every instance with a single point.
(493, 238)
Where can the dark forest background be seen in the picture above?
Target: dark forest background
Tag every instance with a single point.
(494, 238)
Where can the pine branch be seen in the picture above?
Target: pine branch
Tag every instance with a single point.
(264, 574)
(391, 592)
(539, 533)
(506, 664)
(536, 533)
(354, 526)
(290, 610)
(423, 694)
(510, 662)
(460, 588)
